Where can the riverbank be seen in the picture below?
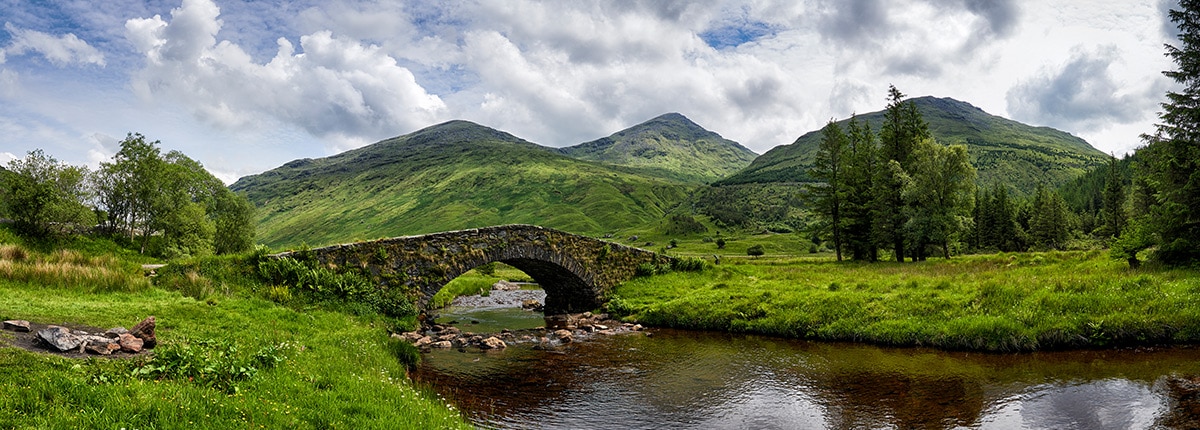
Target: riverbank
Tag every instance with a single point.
(224, 359)
(995, 303)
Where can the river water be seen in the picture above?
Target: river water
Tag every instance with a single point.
(704, 380)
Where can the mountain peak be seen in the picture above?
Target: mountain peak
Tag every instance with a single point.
(668, 145)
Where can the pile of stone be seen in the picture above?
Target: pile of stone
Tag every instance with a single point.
(503, 285)
(439, 336)
(114, 340)
(559, 330)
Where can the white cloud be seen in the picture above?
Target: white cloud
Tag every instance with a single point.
(60, 50)
(335, 86)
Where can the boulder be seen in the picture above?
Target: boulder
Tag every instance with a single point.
(493, 343)
(531, 304)
(441, 344)
(130, 344)
(115, 332)
(503, 285)
(424, 341)
(145, 331)
(102, 348)
(17, 325)
(563, 336)
(59, 338)
(410, 337)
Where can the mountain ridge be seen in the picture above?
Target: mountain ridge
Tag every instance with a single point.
(1002, 150)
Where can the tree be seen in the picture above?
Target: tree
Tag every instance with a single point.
(171, 197)
(1049, 222)
(129, 185)
(940, 195)
(1112, 211)
(861, 158)
(829, 166)
(1172, 167)
(903, 127)
(45, 197)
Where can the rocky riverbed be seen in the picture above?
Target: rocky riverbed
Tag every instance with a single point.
(559, 330)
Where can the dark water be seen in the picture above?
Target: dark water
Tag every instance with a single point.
(681, 379)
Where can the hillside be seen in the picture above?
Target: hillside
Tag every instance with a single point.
(670, 146)
(1002, 150)
(448, 176)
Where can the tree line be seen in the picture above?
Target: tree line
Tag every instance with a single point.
(163, 204)
(896, 192)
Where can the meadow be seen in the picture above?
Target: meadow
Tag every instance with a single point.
(997, 303)
(226, 358)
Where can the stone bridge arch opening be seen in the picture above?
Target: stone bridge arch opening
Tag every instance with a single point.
(568, 286)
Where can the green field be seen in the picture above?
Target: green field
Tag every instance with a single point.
(225, 360)
(1003, 302)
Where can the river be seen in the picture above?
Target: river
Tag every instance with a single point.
(666, 378)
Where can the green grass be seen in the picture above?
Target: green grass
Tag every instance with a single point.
(228, 361)
(1005, 302)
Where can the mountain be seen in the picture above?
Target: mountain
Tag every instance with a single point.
(670, 146)
(449, 176)
(1002, 150)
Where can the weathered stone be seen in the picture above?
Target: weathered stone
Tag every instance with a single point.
(131, 344)
(606, 332)
(601, 327)
(115, 332)
(145, 331)
(451, 330)
(636, 327)
(476, 339)
(17, 325)
(447, 336)
(563, 336)
(410, 337)
(587, 315)
(424, 341)
(441, 344)
(493, 343)
(102, 348)
(59, 338)
(503, 285)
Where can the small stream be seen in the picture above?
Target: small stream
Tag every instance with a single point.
(706, 380)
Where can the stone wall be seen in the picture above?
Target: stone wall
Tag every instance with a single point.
(576, 271)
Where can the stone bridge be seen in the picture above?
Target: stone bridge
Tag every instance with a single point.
(576, 271)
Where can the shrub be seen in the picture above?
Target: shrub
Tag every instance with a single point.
(755, 250)
(720, 243)
(689, 264)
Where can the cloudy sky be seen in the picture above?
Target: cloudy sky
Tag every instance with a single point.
(245, 86)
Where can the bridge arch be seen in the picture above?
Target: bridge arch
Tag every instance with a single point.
(576, 271)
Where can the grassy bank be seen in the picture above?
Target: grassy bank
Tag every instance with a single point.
(1004, 302)
(224, 360)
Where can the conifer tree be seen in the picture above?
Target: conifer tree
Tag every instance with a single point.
(1112, 211)
(1172, 166)
(859, 177)
(829, 166)
(903, 127)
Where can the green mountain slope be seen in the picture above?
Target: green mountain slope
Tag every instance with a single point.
(670, 146)
(449, 176)
(1002, 150)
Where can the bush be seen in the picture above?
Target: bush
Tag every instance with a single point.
(720, 243)
(755, 250)
(689, 264)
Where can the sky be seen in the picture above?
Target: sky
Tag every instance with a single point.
(246, 86)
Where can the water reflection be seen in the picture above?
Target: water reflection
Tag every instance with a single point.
(679, 379)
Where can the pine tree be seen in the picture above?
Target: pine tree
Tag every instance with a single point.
(1112, 211)
(860, 173)
(829, 166)
(1048, 222)
(903, 127)
(1173, 152)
